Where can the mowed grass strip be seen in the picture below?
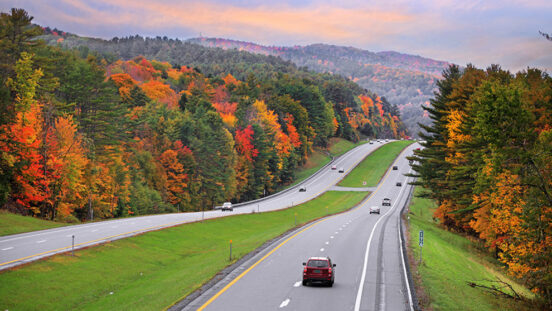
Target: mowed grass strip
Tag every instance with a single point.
(14, 224)
(374, 166)
(319, 158)
(449, 261)
(153, 270)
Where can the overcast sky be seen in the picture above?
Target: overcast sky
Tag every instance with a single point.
(478, 32)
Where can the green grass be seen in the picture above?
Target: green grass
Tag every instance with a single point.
(13, 224)
(153, 270)
(373, 167)
(319, 158)
(449, 261)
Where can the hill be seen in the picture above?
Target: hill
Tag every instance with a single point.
(86, 133)
(407, 81)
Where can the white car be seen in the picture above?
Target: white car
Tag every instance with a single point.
(227, 206)
(374, 209)
(341, 170)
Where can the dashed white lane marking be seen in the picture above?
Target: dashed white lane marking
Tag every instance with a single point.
(284, 303)
(321, 249)
(132, 223)
(7, 248)
(327, 242)
(340, 229)
(69, 235)
(297, 284)
(41, 241)
(336, 232)
(332, 237)
(94, 230)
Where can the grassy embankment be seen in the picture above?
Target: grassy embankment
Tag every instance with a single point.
(153, 270)
(319, 158)
(13, 224)
(374, 167)
(449, 262)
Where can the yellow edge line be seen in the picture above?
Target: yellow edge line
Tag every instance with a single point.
(256, 263)
(88, 242)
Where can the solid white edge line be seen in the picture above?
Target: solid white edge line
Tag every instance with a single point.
(367, 253)
(410, 302)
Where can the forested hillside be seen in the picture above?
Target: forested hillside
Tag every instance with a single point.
(86, 133)
(407, 81)
(488, 164)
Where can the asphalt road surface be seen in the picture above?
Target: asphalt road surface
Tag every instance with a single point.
(365, 247)
(26, 247)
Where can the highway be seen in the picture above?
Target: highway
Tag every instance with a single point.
(365, 247)
(26, 247)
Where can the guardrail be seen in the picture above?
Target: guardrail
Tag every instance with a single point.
(294, 187)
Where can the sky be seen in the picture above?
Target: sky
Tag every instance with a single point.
(504, 32)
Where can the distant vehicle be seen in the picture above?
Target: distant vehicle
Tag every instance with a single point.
(387, 140)
(399, 184)
(395, 168)
(341, 170)
(334, 167)
(417, 148)
(227, 206)
(319, 269)
(386, 202)
(371, 142)
(303, 189)
(374, 209)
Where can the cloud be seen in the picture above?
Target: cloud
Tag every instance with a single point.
(476, 31)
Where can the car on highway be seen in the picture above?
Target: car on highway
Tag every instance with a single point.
(395, 168)
(374, 209)
(398, 184)
(319, 269)
(386, 202)
(371, 142)
(334, 167)
(303, 189)
(341, 170)
(227, 206)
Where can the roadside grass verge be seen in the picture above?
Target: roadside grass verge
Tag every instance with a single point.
(449, 261)
(13, 224)
(373, 167)
(153, 270)
(319, 158)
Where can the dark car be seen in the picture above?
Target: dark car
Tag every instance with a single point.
(319, 269)
(386, 202)
(303, 189)
(399, 184)
(395, 168)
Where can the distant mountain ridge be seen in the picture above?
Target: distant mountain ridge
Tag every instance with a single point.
(405, 80)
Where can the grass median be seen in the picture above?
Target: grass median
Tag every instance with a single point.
(155, 269)
(319, 158)
(449, 262)
(373, 167)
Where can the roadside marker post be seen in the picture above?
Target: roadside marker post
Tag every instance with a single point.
(73, 246)
(421, 243)
(230, 250)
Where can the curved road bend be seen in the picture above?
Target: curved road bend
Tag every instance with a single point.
(26, 247)
(369, 272)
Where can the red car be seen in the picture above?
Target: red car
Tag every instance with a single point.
(319, 269)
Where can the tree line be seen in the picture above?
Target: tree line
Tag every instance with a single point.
(487, 161)
(83, 134)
